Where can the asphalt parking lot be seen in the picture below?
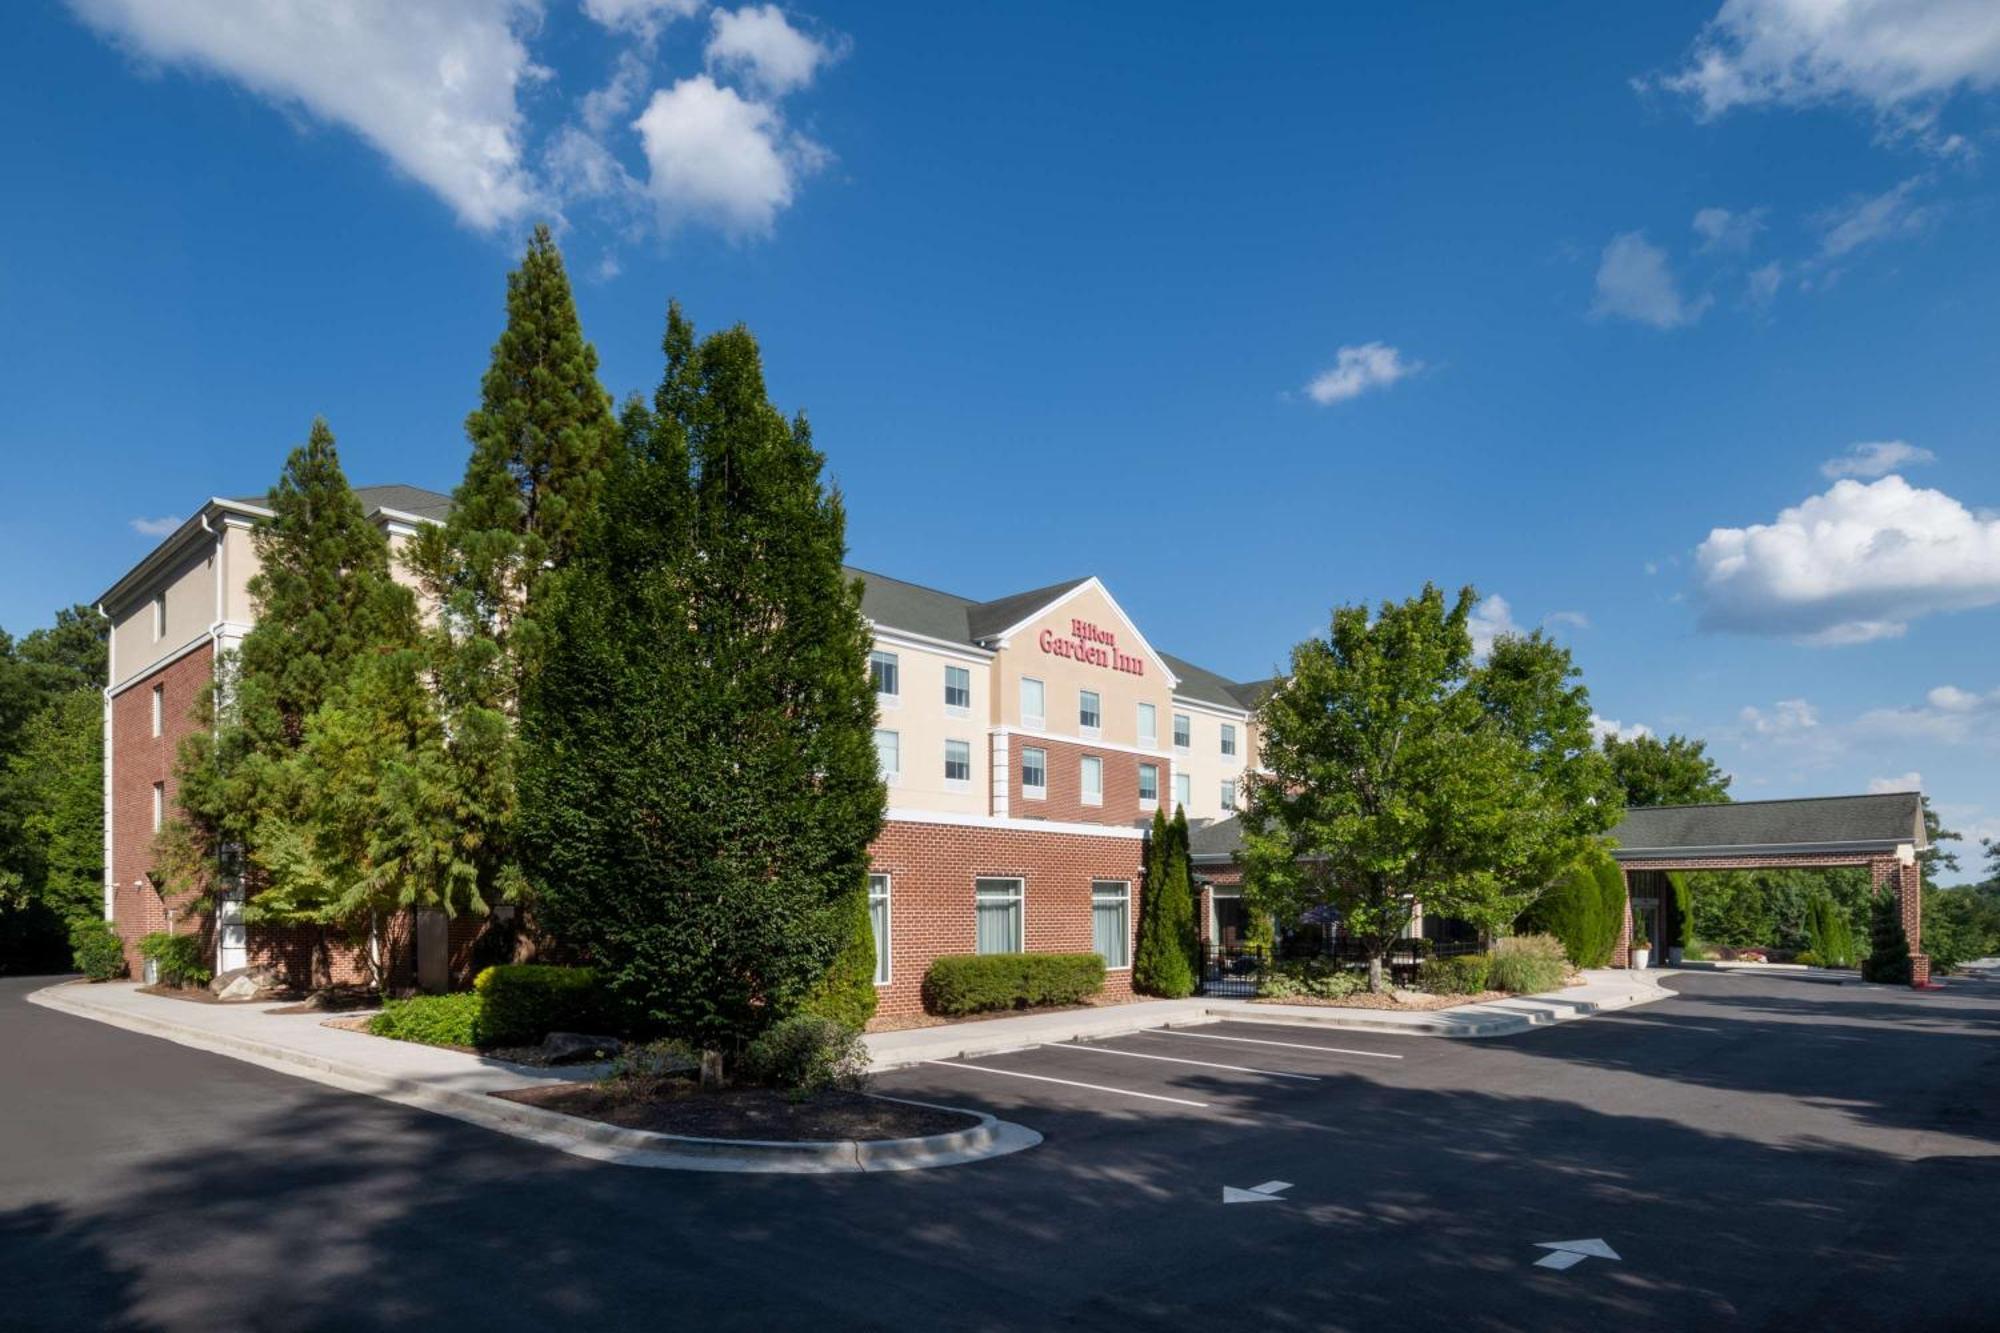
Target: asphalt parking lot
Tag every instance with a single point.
(1758, 1152)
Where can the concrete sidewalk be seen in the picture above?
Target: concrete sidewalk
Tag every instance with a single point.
(1604, 990)
(460, 1085)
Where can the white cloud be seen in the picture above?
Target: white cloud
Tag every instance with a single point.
(1866, 219)
(1600, 727)
(759, 42)
(1565, 620)
(1634, 281)
(1788, 719)
(1876, 458)
(604, 107)
(1910, 781)
(1727, 232)
(1900, 58)
(641, 18)
(155, 527)
(1951, 699)
(1490, 619)
(1762, 284)
(717, 157)
(1357, 369)
(1859, 562)
(431, 86)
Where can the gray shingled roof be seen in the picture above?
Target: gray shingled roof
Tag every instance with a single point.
(912, 607)
(1202, 684)
(1222, 838)
(404, 499)
(1877, 820)
(989, 619)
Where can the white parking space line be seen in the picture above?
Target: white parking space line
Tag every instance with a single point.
(1068, 1083)
(1176, 1060)
(1265, 1041)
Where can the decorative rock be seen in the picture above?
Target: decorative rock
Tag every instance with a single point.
(245, 983)
(569, 1048)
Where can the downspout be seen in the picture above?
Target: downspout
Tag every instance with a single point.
(110, 675)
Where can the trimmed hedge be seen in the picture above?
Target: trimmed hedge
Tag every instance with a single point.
(1584, 908)
(1527, 965)
(524, 1002)
(1464, 975)
(99, 953)
(435, 1020)
(805, 1055)
(180, 959)
(979, 983)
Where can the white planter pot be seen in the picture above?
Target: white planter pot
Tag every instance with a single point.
(1642, 958)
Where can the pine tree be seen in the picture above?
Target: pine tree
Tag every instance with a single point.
(1180, 886)
(1161, 964)
(699, 783)
(1888, 958)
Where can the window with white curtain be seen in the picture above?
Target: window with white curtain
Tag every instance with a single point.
(1149, 726)
(159, 708)
(1183, 731)
(1229, 793)
(1183, 791)
(1149, 786)
(1093, 780)
(1033, 714)
(957, 691)
(1034, 772)
(889, 754)
(1111, 921)
(878, 923)
(997, 903)
(957, 765)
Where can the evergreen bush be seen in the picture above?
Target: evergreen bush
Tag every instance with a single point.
(846, 994)
(524, 1002)
(1162, 963)
(806, 1054)
(1466, 974)
(434, 1020)
(1576, 910)
(1828, 933)
(978, 983)
(99, 953)
(180, 959)
(1888, 958)
(1527, 965)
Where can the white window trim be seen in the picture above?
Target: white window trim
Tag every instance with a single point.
(1084, 797)
(1145, 805)
(890, 777)
(1180, 748)
(1226, 739)
(888, 918)
(159, 806)
(958, 710)
(1035, 721)
(1146, 742)
(159, 707)
(1183, 801)
(1131, 943)
(1090, 733)
(1039, 792)
(1020, 897)
(159, 616)
(888, 698)
(1227, 793)
(952, 784)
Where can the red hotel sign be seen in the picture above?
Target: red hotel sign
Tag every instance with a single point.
(1087, 643)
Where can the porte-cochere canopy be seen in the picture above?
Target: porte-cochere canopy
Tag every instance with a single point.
(1883, 832)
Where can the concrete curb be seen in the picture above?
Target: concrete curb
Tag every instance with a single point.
(990, 1137)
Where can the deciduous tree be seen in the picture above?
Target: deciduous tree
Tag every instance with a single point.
(1674, 771)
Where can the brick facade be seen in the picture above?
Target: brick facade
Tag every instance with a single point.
(1064, 799)
(931, 867)
(140, 759)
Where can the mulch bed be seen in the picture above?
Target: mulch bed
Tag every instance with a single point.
(341, 999)
(744, 1113)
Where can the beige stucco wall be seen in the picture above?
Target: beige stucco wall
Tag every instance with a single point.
(1203, 761)
(191, 603)
(919, 718)
(1119, 692)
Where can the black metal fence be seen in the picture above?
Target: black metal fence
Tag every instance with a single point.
(1238, 970)
(1234, 971)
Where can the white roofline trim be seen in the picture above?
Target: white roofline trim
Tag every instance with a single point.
(1723, 851)
(1223, 711)
(925, 643)
(899, 816)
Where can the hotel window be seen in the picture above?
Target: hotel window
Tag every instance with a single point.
(1032, 715)
(1093, 780)
(997, 904)
(1183, 731)
(1229, 793)
(1111, 921)
(888, 754)
(958, 766)
(1034, 773)
(159, 617)
(1089, 716)
(883, 671)
(160, 805)
(159, 707)
(1229, 738)
(878, 924)
(1149, 786)
(1149, 726)
(958, 691)
(1183, 790)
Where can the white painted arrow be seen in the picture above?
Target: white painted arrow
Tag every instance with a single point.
(1570, 1253)
(1267, 1192)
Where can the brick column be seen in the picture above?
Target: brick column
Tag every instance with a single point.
(1621, 954)
(1908, 882)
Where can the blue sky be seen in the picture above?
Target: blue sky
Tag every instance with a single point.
(1250, 315)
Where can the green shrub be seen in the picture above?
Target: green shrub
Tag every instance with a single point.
(99, 953)
(434, 1020)
(524, 1002)
(977, 983)
(1807, 959)
(180, 959)
(1527, 964)
(1464, 975)
(1888, 958)
(1584, 909)
(655, 1061)
(1165, 960)
(1312, 979)
(1829, 933)
(846, 994)
(806, 1054)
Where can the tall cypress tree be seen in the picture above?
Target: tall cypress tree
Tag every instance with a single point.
(1163, 963)
(699, 782)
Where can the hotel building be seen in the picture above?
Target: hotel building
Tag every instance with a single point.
(1025, 741)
